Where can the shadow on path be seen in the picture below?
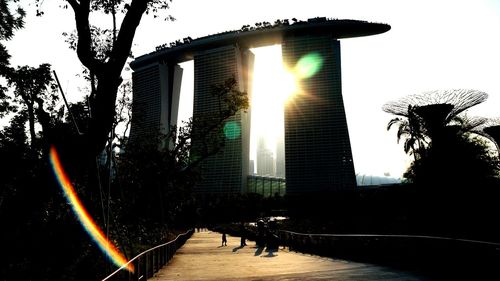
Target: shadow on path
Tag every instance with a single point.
(264, 264)
(270, 253)
(237, 248)
(259, 251)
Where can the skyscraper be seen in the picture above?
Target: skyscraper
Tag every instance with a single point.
(156, 99)
(265, 159)
(280, 158)
(225, 172)
(317, 148)
(318, 154)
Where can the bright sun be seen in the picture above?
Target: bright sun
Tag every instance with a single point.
(273, 86)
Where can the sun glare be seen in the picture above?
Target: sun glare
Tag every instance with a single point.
(273, 87)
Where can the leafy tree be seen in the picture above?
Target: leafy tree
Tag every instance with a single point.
(464, 161)
(104, 62)
(157, 174)
(33, 87)
(446, 150)
(411, 130)
(9, 22)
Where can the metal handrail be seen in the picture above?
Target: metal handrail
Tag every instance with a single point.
(421, 251)
(150, 261)
(396, 236)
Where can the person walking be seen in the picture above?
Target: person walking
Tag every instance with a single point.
(224, 239)
(243, 238)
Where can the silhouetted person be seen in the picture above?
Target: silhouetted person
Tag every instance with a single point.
(243, 239)
(224, 239)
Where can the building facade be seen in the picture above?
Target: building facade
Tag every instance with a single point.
(226, 172)
(156, 90)
(266, 166)
(317, 147)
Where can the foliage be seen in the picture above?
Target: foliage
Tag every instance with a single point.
(157, 174)
(206, 128)
(103, 53)
(9, 22)
(29, 208)
(444, 141)
(34, 90)
(410, 129)
(151, 193)
(463, 160)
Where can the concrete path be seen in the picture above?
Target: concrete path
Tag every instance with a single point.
(203, 258)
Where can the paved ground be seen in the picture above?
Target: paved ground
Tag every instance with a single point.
(203, 258)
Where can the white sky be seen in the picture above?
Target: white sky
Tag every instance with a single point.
(433, 44)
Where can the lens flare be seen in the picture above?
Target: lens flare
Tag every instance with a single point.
(83, 216)
(232, 130)
(308, 65)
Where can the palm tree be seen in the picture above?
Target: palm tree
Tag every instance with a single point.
(410, 128)
(429, 116)
(440, 137)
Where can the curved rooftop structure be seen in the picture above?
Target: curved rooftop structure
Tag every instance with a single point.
(317, 147)
(264, 34)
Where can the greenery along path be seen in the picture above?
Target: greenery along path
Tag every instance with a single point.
(203, 258)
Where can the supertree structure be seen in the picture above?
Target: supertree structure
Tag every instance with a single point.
(460, 99)
(490, 129)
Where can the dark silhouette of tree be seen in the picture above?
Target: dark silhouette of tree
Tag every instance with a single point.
(9, 22)
(105, 71)
(443, 141)
(424, 117)
(410, 128)
(490, 129)
(157, 174)
(34, 89)
(493, 133)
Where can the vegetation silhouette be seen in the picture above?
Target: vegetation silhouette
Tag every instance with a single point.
(43, 241)
(447, 146)
(104, 52)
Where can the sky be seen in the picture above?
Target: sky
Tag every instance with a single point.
(433, 44)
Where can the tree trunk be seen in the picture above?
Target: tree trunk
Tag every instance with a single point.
(31, 120)
(103, 112)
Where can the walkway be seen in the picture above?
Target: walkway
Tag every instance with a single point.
(203, 258)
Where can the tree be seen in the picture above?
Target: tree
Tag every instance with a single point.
(410, 129)
(32, 87)
(105, 71)
(427, 116)
(9, 22)
(443, 140)
(158, 173)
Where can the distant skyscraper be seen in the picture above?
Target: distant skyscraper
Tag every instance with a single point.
(225, 172)
(251, 169)
(317, 148)
(265, 159)
(280, 158)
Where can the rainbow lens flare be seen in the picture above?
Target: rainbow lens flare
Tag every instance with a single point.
(83, 216)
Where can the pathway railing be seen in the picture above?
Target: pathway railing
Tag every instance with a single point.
(147, 263)
(417, 251)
